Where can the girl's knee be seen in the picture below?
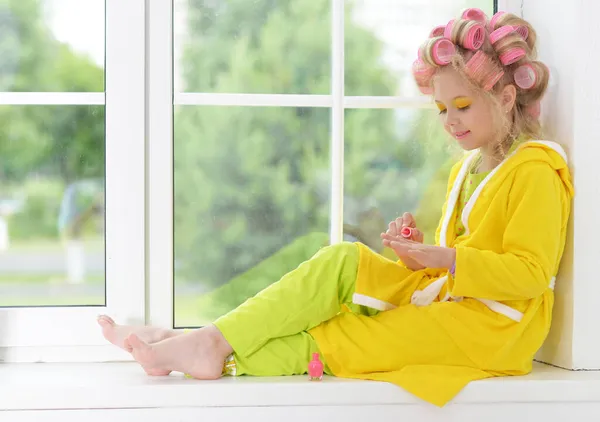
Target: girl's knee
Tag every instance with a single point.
(343, 249)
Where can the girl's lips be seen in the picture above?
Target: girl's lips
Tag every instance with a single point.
(461, 135)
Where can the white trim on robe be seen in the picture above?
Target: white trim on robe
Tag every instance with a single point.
(371, 302)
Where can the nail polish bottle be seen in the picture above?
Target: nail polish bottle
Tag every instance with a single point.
(315, 368)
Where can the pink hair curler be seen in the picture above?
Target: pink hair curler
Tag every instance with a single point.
(523, 31)
(448, 30)
(483, 70)
(475, 37)
(494, 20)
(500, 33)
(525, 76)
(315, 368)
(438, 31)
(512, 56)
(474, 14)
(406, 232)
(442, 51)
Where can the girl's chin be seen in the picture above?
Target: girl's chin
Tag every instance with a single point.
(466, 145)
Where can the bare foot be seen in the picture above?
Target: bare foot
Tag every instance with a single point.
(155, 372)
(200, 353)
(116, 334)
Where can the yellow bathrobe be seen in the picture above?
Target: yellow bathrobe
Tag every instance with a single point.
(440, 332)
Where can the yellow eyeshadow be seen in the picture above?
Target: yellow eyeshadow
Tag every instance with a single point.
(440, 106)
(462, 102)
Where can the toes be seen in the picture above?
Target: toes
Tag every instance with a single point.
(145, 356)
(135, 342)
(106, 321)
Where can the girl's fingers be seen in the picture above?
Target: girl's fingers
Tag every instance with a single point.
(417, 235)
(408, 220)
(392, 229)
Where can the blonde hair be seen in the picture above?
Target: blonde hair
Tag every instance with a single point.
(524, 118)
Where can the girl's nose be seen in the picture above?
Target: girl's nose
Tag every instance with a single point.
(452, 118)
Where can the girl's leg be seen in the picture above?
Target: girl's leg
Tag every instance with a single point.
(302, 299)
(312, 293)
(205, 354)
(237, 290)
(279, 356)
(230, 295)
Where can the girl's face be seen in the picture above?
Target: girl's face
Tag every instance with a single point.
(465, 114)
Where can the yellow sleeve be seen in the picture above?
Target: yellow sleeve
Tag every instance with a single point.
(531, 242)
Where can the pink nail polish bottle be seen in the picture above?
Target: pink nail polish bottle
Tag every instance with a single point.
(406, 232)
(315, 368)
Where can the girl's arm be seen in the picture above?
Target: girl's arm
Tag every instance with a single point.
(532, 243)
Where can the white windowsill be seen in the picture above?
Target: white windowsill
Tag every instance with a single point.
(125, 386)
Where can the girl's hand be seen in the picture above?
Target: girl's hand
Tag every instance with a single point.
(393, 232)
(407, 220)
(425, 255)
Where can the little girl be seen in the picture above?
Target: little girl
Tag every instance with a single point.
(478, 304)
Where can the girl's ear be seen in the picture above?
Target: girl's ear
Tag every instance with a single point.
(508, 97)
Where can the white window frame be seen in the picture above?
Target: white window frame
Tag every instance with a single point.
(71, 333)
(162, 98)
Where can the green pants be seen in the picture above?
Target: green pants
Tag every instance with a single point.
(268, 332)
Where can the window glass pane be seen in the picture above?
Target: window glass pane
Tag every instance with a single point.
(396, 161)
(259, 46)
(52, 45)
(252, 188)
(382, 38)
(51, 205)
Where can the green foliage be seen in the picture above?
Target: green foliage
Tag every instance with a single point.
(62, 143)
(249, 181)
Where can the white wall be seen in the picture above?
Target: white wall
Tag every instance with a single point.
(586, 154)
(568, 43)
